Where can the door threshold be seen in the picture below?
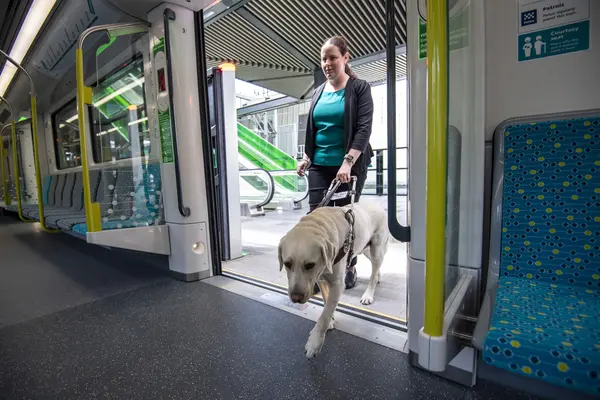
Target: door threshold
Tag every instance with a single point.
(354, 325)
(359, 312)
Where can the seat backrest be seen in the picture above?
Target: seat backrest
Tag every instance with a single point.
(60, 185)
(125, 188)
(67, 192)
(551, 202)
(52, 190)
(105, 190)
(46, 188)
(77, 196)
(155, 193)
(148, 210)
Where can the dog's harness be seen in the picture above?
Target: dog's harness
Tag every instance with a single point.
(348, 247)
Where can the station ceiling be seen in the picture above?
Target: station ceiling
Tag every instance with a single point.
(276, 43)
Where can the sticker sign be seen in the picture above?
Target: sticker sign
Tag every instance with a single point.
(458, 36)
(164, 113)
(550, 28)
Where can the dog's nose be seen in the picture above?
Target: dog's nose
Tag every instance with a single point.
(296, 297)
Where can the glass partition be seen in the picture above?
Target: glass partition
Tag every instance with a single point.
(119, 120)
(127, 168)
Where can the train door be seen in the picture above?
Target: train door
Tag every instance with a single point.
(446, 181)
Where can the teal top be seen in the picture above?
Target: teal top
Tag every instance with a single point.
(328, 117)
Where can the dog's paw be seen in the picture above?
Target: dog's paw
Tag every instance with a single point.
(331, 325)
(313, 345)
(367, 299)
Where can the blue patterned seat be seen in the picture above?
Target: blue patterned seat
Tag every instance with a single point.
(135, 203)
(546, 318)
(102, 195)
(76, 210)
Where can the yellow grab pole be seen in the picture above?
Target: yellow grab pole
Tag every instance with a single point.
(36, 164)
(437, 127)
(84, 98)
(7, 199)
(36, 160)
(16, 170)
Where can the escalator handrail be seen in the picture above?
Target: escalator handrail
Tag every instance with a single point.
(169, 15)
(271, 184)
(305, 194)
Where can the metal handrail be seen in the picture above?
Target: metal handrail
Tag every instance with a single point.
(280, 172)
(271, 185)
(7, 199)
(84, 100)
(168, 15)
(398, 231)
(36, 153)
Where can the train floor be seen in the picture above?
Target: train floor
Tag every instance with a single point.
(79, 321)
(261, 235)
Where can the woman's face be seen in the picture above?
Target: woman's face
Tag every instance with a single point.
(332, 61)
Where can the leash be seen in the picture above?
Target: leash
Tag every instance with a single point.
(347, 248)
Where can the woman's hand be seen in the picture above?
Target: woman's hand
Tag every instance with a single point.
(301, 167)
(343, 174)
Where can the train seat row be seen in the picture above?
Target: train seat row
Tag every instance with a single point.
(128, 196)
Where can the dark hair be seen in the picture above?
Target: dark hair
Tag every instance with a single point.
(342, 45)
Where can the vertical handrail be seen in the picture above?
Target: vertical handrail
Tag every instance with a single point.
(84, 100)
(436, 185)
(401, 233)
(16, 167)
(36, 153)
(169, 15)
(7, 199)
(16, 170)
(6, 196)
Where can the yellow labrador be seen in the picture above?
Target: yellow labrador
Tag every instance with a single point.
(309, 250)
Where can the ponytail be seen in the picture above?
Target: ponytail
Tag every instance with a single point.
(349, 71)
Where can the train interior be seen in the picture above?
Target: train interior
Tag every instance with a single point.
(148, 156)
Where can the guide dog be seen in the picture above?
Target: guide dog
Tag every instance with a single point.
(310, 252)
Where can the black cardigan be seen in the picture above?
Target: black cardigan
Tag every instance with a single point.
(358, 120)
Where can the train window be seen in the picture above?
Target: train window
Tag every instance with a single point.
(66, 136)
(119, 120)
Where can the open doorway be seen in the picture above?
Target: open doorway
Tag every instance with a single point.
(277, 65)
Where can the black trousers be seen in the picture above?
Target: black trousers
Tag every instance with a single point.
(319, 180)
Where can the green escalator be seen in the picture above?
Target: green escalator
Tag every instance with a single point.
(264, 155)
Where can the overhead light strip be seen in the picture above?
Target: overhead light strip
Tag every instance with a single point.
(35, 18)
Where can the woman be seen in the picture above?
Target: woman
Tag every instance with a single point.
(337, 132)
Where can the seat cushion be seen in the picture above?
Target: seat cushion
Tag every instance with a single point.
(547, 331)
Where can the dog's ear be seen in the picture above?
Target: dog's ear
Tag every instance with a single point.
(328, 252)
(279, 254)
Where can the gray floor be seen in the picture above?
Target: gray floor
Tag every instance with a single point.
(80, 322)
(261, 234)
